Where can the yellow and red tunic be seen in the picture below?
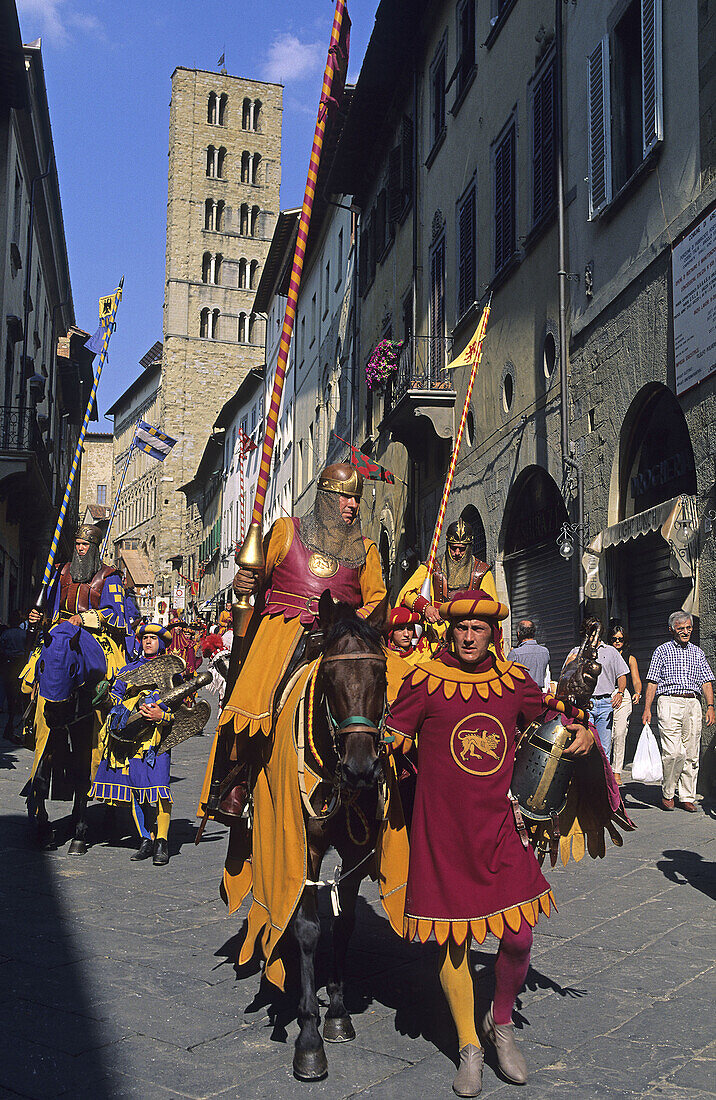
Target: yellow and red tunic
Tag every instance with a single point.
(469, 870)
(289, 603)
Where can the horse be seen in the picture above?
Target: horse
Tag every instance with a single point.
(69, 667)
(346, 750)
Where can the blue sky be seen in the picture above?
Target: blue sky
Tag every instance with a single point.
(108, 68)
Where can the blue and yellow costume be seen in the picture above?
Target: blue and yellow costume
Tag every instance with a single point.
(142, 780)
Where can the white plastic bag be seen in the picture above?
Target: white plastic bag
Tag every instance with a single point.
(647, 767)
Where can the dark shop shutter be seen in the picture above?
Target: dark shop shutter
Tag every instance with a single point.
(652, 592)
(541, 587)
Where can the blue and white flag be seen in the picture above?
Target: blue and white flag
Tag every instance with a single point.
(153, 441)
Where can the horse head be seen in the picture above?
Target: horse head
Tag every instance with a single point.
(353, 683)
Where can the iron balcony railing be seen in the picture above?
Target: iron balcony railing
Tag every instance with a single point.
(422, 362)
(19, 431)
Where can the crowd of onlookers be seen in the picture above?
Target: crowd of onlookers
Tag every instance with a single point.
(677, 677)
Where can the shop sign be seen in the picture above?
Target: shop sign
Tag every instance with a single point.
(693, 270)
(669, 469)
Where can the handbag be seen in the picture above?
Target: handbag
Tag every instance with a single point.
(647, 766)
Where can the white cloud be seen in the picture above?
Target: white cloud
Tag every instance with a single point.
(55, 20)
(289, 59)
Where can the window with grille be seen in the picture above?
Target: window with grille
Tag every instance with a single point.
(625, 114)
(466, 257)
(544, 145)
(101, 494)
(505, 198)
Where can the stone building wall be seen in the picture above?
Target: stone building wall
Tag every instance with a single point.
(96, 469)
(200, 372)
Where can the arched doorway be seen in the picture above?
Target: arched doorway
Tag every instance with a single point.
(644, 579)
(540, 582)
(479, 539)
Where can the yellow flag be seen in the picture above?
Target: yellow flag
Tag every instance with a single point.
(467, 357)
(105, 307)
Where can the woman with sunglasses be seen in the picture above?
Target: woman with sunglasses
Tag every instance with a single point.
(622, 711)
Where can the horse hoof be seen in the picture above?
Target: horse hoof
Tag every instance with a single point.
(77, 848)
(47, 843)
(310, 1065)
(338, 1029)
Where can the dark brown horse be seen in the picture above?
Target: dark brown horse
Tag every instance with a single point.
(345, 749)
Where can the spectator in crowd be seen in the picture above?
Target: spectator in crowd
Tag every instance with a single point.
(610, 687)
(530, 654)
(13, 643)
(678, 674)
(225, 618)
(620, 640)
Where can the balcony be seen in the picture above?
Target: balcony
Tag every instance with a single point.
(421, 387)
(22, 449)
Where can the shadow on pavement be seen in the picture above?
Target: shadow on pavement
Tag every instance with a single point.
(684, 867)
(52, 1035)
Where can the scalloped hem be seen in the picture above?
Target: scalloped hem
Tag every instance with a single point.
(425, 928)
(119, 792)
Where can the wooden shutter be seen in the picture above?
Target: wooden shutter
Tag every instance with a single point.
(395, 194)
(466, 253)
(543, 146)
(505, 199)
(406, 181)
(651, 75)
(437, 308)
(599, 141)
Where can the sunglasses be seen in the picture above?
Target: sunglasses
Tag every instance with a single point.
(618, 638)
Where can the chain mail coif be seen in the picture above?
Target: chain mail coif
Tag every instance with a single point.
(458, 573)
(324, 531)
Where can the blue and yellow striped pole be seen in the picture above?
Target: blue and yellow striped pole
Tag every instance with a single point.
(108, 324)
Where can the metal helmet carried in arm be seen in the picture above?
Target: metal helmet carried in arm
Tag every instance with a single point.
(341, 478)
(87, 532)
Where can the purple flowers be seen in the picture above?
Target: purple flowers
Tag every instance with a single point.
(382, 363)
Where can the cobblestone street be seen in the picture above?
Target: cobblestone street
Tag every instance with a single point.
(118, 978)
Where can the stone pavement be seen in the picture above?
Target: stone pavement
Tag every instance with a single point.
(117, 979)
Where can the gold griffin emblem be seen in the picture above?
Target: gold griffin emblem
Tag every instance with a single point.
(477, 742)
(322, 565)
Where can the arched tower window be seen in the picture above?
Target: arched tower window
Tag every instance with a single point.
(246, 115)
(253, 328)
(207, 263)
(244, 220)
(242, 275)
(255, 162)
(220, 159)
(204, 324)
(254, 274)
(223, 101)
(218, 262)
(243, 329)
(219, 215)
(246, 167)
(210, 214)
(215, 314)
(211, 111)
(211, 162)
(255, 216)
(257, 108)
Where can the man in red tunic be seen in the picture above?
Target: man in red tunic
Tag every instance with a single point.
(400, 631)
(470, 872)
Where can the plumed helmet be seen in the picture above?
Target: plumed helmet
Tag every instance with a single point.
(87, 532)
(459, 533)
(341, 478)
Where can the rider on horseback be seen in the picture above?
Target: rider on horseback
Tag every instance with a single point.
(325, 549)
(88, 595)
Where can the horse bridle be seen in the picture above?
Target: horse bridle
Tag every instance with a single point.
(357, 723)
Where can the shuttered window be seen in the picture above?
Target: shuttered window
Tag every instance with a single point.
(437, 308)
(504, 173)
(651, 74)
(437, 94)
(599, 144)
(544, 147)
(466, 289)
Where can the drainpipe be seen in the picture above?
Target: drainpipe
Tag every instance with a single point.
(568, 460)
(26, 308)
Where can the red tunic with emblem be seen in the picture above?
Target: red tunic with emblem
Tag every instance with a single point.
(469, 870)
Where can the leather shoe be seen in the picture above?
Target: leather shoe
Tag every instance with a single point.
(144, 851)
(502, 1036)
(468, 1079)
(667, 803)
(690, 807)
(161, 852)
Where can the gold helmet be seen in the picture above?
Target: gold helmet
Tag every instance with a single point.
(87, 532)
(341, 478)
(459, 533)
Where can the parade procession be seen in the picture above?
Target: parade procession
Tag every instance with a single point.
(358, 673)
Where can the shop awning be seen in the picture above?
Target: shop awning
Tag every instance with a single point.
(675, 519)
(138, 567)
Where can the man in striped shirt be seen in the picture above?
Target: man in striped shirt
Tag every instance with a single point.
(678, 674)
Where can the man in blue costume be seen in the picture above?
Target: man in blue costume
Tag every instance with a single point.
(142, 779)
